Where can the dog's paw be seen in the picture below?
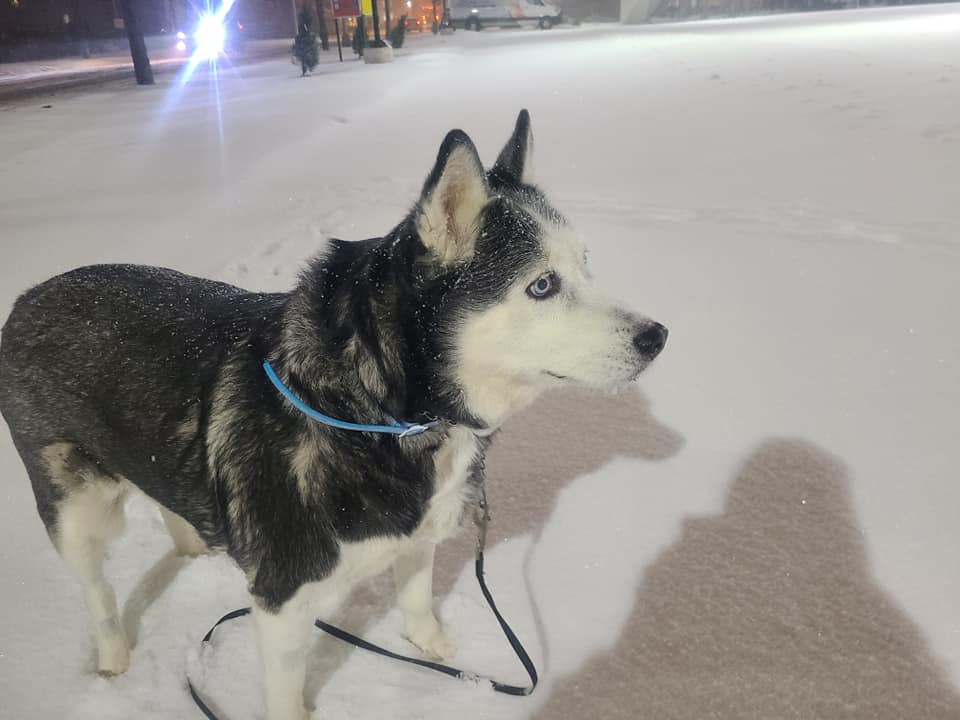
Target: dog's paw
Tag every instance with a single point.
(428, 634)
(301, 714)
(113, 658)
(288, 711)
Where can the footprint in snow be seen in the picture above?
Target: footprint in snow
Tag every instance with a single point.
(942, 133)
(272, 248)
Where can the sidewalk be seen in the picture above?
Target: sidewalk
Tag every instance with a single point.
(28, 78)
(21, 80)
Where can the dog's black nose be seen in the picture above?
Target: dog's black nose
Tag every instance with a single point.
(650, 340)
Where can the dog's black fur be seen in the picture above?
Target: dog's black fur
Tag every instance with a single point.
(155, 377)
(114, 375)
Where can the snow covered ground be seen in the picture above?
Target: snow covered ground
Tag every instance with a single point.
(765, 528)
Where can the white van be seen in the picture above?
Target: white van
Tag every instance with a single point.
(474, 14)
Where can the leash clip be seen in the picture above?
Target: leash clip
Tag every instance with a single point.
(414, 430)
(481, 518)
(473, 678)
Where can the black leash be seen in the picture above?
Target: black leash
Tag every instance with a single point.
(482, 518)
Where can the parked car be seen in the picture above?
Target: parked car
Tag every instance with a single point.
(418, 24)
(474, 14)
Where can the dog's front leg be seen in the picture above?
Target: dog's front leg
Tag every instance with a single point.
(413, 572)
(283, 637)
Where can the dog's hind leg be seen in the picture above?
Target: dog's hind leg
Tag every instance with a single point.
(83, 511)
(413, 572)
(186, 540)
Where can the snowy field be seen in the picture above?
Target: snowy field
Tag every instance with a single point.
(766, 527)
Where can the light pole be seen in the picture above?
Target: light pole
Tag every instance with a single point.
(376, 24)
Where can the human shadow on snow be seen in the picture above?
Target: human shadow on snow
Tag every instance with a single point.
(767, 610)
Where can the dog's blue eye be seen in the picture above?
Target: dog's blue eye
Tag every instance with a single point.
(544, 286)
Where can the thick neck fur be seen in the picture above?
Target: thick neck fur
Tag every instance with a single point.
(361, 334)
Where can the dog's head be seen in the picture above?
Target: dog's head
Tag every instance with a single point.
(520, 312)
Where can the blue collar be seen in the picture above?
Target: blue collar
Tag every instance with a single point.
(403, 429)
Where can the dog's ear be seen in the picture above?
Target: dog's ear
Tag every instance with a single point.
(453, 196)
(515, 161)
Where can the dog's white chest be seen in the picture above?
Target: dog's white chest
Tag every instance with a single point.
(452, 466)
(452, 491)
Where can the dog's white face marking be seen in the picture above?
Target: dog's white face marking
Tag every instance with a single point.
(527, 314)
(553, 326)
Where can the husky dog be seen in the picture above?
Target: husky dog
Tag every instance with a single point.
(115, 376)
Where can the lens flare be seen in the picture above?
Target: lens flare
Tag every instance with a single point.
(210, 37)
(210, 42)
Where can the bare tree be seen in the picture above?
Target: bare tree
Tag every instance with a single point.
(322, 25)
(138, 48)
